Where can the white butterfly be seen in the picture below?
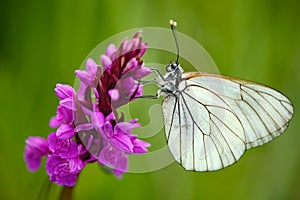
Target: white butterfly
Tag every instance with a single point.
(211, 120)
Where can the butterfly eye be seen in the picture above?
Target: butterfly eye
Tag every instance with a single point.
(171, 67)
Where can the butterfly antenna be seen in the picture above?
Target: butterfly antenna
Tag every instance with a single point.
(173, 25)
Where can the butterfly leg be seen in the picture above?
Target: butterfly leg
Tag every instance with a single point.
(160, 80)
(158, 94)
(148, 97)
(158, 74)
(148, 81)
(156, 80)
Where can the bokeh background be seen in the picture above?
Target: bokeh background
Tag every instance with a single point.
(43, 42)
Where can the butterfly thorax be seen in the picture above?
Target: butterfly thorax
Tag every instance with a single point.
(169, 83)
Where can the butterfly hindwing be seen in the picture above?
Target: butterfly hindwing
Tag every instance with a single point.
(203, 134)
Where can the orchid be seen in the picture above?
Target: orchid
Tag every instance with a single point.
(36, 148)
(89, 127)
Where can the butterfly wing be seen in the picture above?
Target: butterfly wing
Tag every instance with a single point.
(214, 119)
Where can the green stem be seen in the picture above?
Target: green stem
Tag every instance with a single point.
(66, 193)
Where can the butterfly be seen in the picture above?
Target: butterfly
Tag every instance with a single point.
(211, 120)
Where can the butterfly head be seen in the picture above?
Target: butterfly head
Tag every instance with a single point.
(173, 66)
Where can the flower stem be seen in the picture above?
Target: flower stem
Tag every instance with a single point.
(66, 193)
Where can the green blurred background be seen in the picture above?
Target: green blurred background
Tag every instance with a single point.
(43, 42)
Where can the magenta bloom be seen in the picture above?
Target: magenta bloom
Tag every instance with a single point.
(65, 131)
(63, 171)
(89, 128)
(64, 91)
(65, 148)
(36, 148)
(63, 115)
(118, 143)
(115, 159)
(89, 77)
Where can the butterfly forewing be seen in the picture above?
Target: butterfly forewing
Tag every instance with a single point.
(213, 119)
(263, 111)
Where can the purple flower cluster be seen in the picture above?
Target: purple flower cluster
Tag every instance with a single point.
(89, 128)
